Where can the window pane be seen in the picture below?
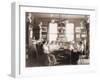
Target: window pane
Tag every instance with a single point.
(69, 31)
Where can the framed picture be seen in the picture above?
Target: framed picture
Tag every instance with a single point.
(35, 55)
(77, 35)
(78, 29)
(44, 29)
(83, 35)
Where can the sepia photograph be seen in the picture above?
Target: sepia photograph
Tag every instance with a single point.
(54, 39)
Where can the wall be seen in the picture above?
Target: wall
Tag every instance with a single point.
(5, 39)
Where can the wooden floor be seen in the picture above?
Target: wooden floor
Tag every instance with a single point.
(33, 62)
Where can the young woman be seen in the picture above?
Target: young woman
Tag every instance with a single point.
(51, 60)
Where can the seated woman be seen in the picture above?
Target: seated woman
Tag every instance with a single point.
(80, 47)
(74, 53)
(51, 60)
(80, 51)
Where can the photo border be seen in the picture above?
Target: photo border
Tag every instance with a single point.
(16, 68)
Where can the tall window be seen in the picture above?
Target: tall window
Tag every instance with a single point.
(69, 31)
(52, 33)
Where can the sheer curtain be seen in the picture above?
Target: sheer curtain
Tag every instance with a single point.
(69, 31)
(52, 32)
